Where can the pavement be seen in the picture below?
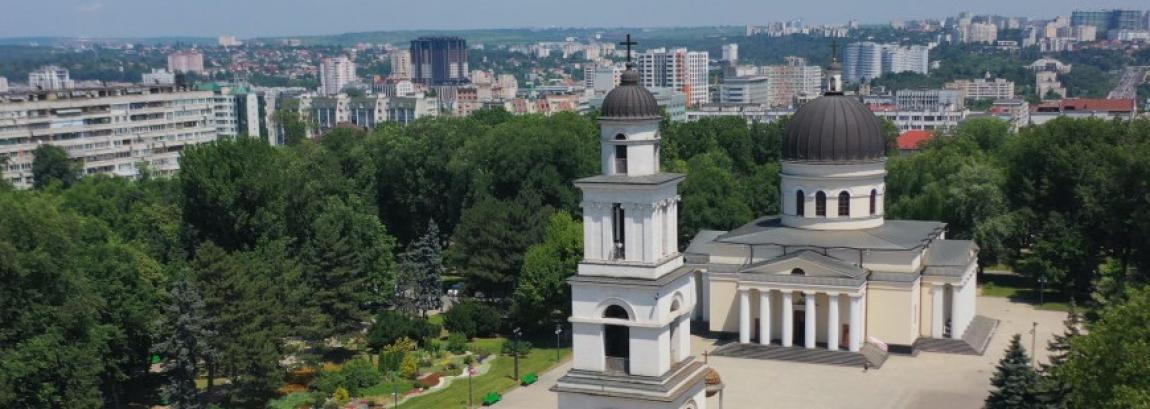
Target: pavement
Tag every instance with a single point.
(928, 380)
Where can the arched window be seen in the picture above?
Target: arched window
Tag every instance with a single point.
(844, 204)
(798, 272)
(620, 137)
(821, 204)
(873, 201)
(615, 311)
(620, 155)
(800, 204)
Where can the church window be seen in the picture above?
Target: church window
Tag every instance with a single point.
(617, 312)
(844, 204)
(620, 159)
(800, 204)
(618, 228)
(821, 204)
(873, 201)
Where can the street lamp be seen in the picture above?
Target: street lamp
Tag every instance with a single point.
(1033, 344)
(558, 330)
(1042, 290)
(515, 350)
(394, 391)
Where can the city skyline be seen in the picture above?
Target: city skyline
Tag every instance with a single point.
(140, 18)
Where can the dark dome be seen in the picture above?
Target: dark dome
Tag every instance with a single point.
(629, 100)
(834, 128)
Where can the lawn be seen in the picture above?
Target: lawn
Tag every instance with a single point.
(499, 378)
(1022, 289)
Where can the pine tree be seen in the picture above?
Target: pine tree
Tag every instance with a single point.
(423, 272)
(1014, 380)
(187, 332)
(1053, 388)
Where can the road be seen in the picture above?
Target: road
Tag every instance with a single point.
(1131, 78)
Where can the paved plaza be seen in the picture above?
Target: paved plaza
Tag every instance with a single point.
(929, 380)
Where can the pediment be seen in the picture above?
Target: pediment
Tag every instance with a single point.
(806, 263)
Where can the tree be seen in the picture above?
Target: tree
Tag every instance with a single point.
(711, 198)
(51, 163)
(473, 319)
(1053, 388)
(392, 325)
(1107, 366)
(288, 119)
(422, 266)
(489, 244)
(542, 294)
(347, 264)
(187, 330)
(1014, 380)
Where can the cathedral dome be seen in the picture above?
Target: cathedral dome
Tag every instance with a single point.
(629, 100)
(834, 128)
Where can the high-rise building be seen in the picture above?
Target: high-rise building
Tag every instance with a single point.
(685, 71)
(731, 53)
(601, 79)
(1100, 19)
(439, 60)
(50, 77)
(335, 73)
(3, 84)
(1106, 20)
(930, 100)
(977, 33)
(400, 64)
(108, 130)
(229, 41)
(866, 60)
(745, 90)
(791, 80)
(186, 61)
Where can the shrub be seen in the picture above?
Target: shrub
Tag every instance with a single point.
(328, 380)
(512, 347)
(472, 319)
(391, 326)
(468, 359)
(433, 347)
(341, 396)
(457, 343)
(359, 374)
(409, 368)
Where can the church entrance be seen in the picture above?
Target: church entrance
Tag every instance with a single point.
(616, 341)
(799, 334)
(617, 347)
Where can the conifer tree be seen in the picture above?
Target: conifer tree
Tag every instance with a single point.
(187, 332)
(423, 270)
(1053, 387)
(1014, 380)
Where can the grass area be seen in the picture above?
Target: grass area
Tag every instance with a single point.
(291, 401)
(499, 378)
(1023, 289)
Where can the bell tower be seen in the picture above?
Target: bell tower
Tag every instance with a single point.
(632, 297)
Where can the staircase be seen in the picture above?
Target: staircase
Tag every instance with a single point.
(973, 342)
(869, 354)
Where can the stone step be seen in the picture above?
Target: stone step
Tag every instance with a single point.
(973, 342)
(796, 354)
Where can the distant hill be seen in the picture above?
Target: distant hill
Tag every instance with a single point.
(58, 41)
(513, 35)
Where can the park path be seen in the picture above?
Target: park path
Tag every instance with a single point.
(536, 396)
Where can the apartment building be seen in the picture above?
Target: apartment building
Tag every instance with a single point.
(683, 70)
(109, 130)
(983, 88)
(791, 80)
(745, 90)
(50, 77)
(335, 73)
(864, 61)
(400, 64)
(186, 61)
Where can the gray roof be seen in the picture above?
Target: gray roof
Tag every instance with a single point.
(949, 257)
(891, 235)
(655, 179)
(834, 128)
(629, 100)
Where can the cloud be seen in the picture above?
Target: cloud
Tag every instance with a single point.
(89, 7)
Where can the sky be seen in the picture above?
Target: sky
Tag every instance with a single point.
(252, 18)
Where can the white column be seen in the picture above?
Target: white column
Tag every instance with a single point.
(809, 338)
(957, 312)
(937, 321)
(788, 318)
(833, 321)
(856, 329)
(765, 317)
(744, 316)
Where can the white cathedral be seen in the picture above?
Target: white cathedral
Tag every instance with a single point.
(830, 274)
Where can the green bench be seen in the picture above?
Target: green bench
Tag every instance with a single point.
(529, 379)
(491, 398)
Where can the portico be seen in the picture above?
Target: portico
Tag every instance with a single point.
(804, 298)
